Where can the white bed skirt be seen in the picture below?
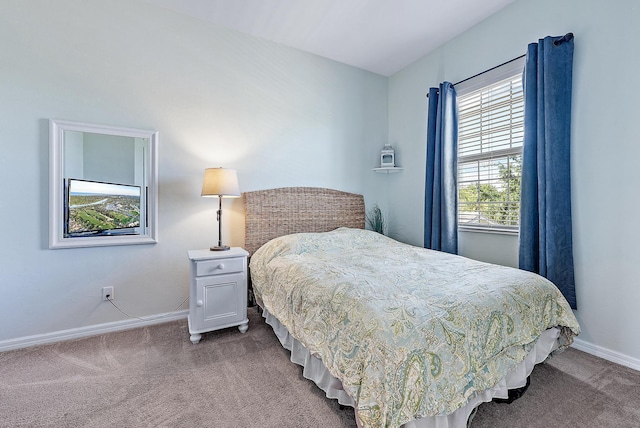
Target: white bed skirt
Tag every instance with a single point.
(315, 370)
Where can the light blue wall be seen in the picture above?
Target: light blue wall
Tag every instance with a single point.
(218, 98)
(285, 118)
(605, 149)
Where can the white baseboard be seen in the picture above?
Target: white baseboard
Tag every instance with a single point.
(606, 354)
(76, 333)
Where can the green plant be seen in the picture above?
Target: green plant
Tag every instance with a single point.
(375, 219)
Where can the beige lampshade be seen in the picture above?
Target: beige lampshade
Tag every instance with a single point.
(220, 182)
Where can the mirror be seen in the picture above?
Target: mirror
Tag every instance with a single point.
(103, 185)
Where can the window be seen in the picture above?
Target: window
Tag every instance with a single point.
(490, 137)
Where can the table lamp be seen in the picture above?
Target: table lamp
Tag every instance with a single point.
(223, 183)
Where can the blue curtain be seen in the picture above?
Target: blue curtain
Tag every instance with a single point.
(441, 190)
(546, 245)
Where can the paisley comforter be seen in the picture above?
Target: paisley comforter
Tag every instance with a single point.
(410, 332)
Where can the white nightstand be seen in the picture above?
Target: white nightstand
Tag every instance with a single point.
(218, 291)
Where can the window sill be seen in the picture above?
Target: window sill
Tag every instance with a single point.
(496, 231)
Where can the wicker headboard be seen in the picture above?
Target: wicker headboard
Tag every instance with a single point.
(276, 212)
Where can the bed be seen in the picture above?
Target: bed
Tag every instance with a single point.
(406, 336)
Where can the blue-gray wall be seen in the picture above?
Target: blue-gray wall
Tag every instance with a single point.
(279, 116)
(282, 117)
(605, 150)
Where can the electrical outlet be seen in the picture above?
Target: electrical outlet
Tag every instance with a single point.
(107, 293)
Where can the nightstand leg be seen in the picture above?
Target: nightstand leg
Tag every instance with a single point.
(243, 327)
(195, 338)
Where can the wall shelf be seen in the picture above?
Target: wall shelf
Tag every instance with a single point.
(387, 169)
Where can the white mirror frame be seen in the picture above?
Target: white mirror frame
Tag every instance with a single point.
(57, 239)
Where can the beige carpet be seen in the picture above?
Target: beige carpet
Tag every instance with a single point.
(155, 377)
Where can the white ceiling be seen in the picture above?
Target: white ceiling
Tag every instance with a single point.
(382, 36)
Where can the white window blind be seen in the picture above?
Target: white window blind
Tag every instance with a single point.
(490, 137)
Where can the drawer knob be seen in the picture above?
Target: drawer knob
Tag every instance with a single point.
(220, 266)
(199, 303)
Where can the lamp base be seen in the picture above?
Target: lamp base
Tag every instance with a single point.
(219, 248)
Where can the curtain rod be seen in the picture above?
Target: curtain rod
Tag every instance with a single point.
(492, 68)
(558, 42)
(486, 71)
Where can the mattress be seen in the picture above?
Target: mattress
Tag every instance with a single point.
(515, 379)
(410, 333)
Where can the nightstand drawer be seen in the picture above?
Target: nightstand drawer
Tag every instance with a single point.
(220, 266)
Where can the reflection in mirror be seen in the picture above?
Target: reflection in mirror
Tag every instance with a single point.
(103, 185)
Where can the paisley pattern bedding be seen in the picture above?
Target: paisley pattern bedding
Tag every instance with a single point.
(410, 332)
